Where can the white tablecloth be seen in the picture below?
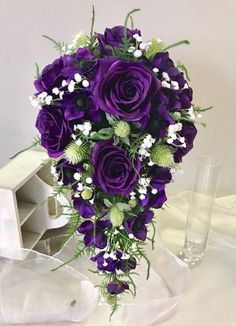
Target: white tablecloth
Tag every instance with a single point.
(211, 297)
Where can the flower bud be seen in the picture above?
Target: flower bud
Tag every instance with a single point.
(122, 129)
(86, 194)
(132, 203)
(162, 155)
(76, 153)
(116, 216)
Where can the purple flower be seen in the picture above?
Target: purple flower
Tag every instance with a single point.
(189, 132)
(67, 170)
(114, 37)
(81, 105)
(124, 88)
(54, 129)
(113, 263)
(154, 200)
(175, 98)
(137, 225)
(51, 76)
(159, 122)
(81, 62)
(94, 234)
(114, 173)
(117, 287)
(159, 177)
(84, 207)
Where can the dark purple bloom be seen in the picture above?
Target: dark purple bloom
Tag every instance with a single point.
(175, 98)
(81, 62)
(84, 207)
(137, 225)
(154, 201)
(94, 235)
(114, 37)
(159, 122)
(67, 170)
(159, 177)
(81, 105)
(54, 129)
(112, 264)
(51, 76)
(124, 88)
(114, 173)
(117, 287)
(189, 132)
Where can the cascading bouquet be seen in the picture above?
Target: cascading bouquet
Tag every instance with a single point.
(117, 115)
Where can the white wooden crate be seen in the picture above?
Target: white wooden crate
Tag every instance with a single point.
(25, 210)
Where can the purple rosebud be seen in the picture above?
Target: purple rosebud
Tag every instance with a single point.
(189, 132)
(54, 129)
(117, 287)
(114, 37)
(84, 207)
(137, 225)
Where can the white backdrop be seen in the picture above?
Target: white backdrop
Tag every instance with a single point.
(209, 25)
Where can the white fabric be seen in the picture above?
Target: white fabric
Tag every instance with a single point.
(210, 300)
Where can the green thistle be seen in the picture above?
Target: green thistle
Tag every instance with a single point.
(116, 216)
(122, 129)
(86, 194)
(76, 153)
(162, 155)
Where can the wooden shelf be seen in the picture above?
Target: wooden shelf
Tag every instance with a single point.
(25, 210)
(30, 238)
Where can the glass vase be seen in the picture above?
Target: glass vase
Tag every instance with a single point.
(200, 209)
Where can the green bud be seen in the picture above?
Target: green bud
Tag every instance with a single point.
(122, 129)
(111, 300)
(86, 194)
(162, 155)
(116, 216)
(76, 153)
(132, 203)
(154, 48)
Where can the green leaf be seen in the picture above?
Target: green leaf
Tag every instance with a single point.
(103, 134)
(182, 68)
(111, 119)
(176, 44)
(37, 71)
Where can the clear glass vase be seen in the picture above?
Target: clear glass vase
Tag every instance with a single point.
(200, 209)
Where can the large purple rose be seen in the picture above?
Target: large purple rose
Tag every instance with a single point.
(54, 129)
(114, 173)
(114, 37)
(51, 76)
(189, 132)
(124, 88)
(174, 86)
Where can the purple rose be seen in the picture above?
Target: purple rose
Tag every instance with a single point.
(54, 129)
(114, 173)
(189, 132)
(51, 76)
(174, 86)
(114, 37)
(124, 88)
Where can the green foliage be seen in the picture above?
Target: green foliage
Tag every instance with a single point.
(176, 44)
(37, 75)
(154, 48)
(182, 68)
(35, 143)
(60, 46)
(102, 134)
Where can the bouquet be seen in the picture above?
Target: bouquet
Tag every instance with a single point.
(116, 115)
